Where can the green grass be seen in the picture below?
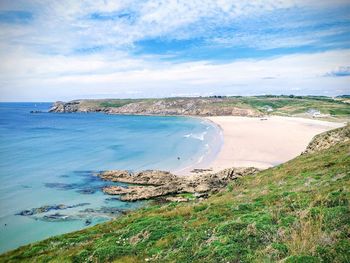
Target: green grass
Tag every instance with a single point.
(117, 103)
(281, 105)
(295, 212)
(298, 105)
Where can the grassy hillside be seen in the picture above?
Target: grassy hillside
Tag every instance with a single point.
(281, 105)
(296, 212)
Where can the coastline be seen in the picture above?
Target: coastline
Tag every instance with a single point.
(223, 155)
(214, 148)
(260, 142)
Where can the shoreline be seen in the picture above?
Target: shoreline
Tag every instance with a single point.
(224, 129)
(260, 142)
(214, 148)
(264, 142)
(223, 155)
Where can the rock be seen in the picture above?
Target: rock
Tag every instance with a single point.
(152, 183)
(88, 191)
(82, 188)
(56, 217)
(328, 139)
(148, 177)
(139, 237)
(103, 210)
(201, 170)
(177, 199)
(59, 106)
(47, 208)
(62, 186)
(111, 199)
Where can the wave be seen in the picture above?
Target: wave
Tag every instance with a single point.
(198, 136)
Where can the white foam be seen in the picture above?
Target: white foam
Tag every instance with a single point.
(197, 136)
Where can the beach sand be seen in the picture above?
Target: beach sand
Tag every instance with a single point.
(266, 142)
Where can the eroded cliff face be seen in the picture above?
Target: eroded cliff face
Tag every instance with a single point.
(328, 139)
(194, 107)
(74, 106)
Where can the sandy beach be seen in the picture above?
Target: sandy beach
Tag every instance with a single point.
(264, 142)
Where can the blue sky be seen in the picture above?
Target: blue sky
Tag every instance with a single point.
(61, 50)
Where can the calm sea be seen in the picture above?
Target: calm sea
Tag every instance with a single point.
(49, 161)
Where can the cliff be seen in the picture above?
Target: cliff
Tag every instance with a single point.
(181, 106)
(306, 106)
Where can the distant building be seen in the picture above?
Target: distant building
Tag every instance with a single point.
(268, 108)
(316, 113)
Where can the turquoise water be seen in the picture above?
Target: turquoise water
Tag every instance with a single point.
(49, 159)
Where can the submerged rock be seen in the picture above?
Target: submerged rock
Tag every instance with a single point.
(57, 217)
(47, 208)
(87, 187)
(111, 199)
(88, 191)
(62, 186)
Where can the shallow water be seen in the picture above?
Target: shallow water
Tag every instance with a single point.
(52, 159)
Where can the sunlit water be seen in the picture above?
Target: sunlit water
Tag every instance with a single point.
(52, 159)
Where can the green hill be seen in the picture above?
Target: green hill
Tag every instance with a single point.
(301, 106)
(295, 212)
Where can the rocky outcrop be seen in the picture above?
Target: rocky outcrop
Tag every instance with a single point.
(328, 139)
(180, 106)
(149, 177)
(60, 106)
(152, 183)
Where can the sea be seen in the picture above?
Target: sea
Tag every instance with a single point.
(49, 163)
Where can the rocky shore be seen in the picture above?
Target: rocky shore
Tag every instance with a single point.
(151, 184)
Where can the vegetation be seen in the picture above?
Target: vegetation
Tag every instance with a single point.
(117, 103)
(292, 105)
(295, 212)
(279, 105)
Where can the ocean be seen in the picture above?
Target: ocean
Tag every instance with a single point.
(49, 161)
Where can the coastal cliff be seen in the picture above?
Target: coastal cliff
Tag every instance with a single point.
(181, 106)
(255, 106)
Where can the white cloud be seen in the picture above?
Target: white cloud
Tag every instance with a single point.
(39, 60)
(51, 79)
(64, 25)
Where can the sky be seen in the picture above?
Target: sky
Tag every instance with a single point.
(63, 50)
